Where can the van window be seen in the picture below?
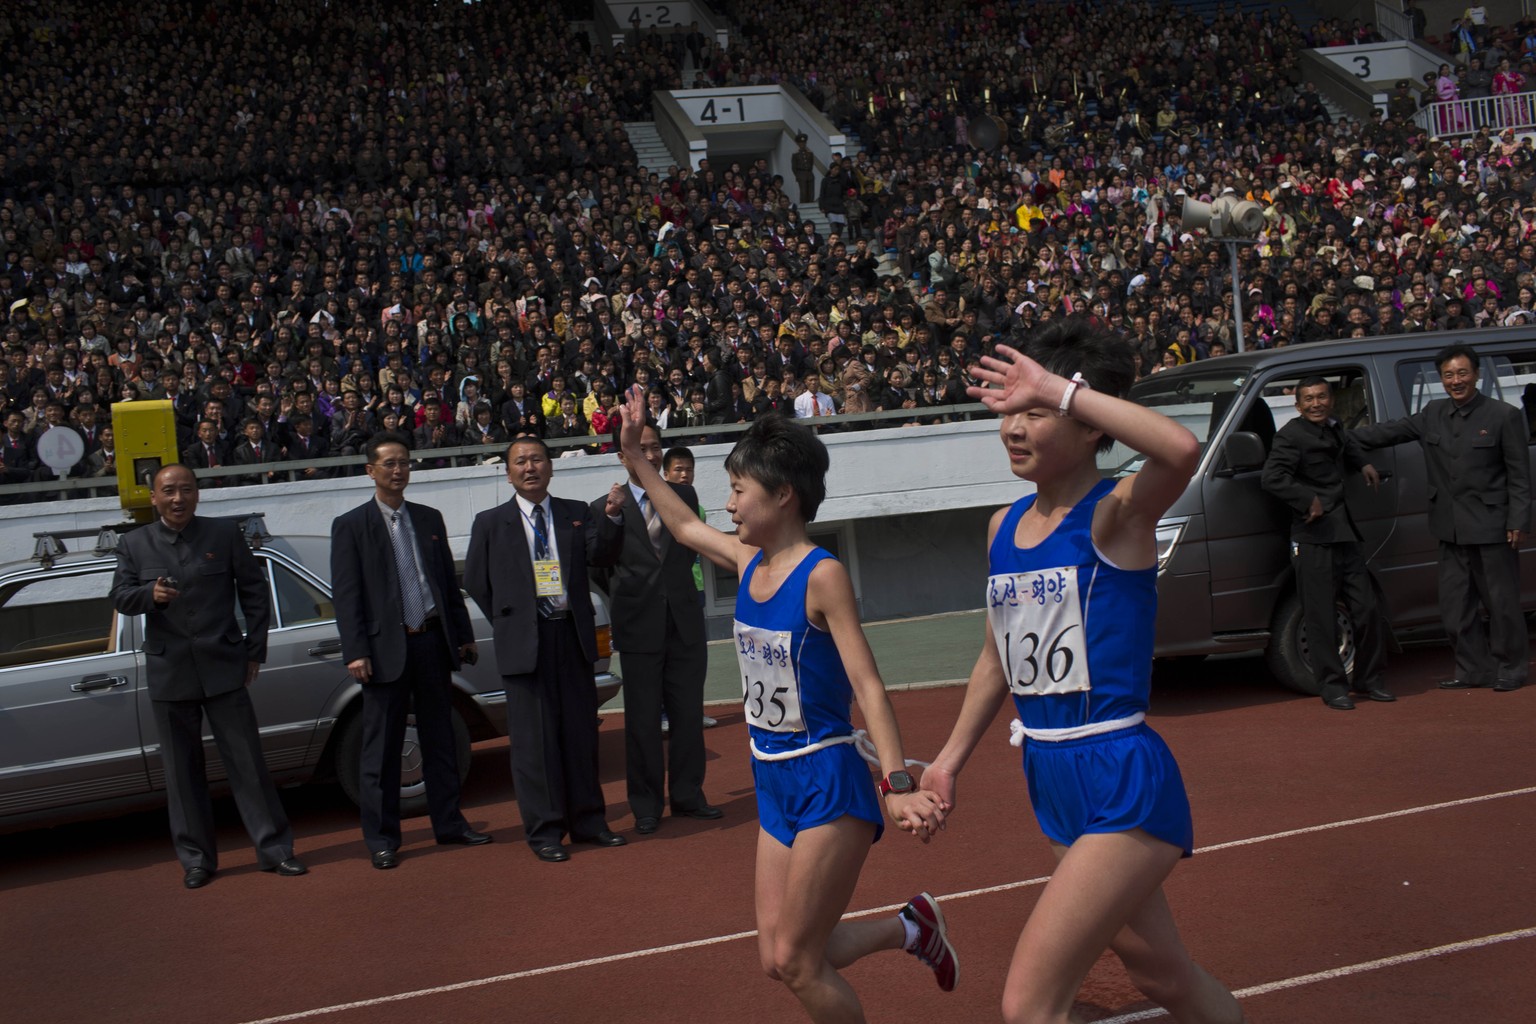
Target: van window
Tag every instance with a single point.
(1198, 402)
(1351, 397)
(1505, 376)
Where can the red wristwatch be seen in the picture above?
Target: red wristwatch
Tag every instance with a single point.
(897, 782)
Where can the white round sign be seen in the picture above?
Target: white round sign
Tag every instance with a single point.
(60, 448)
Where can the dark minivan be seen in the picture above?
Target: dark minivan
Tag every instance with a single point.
(1224, 555)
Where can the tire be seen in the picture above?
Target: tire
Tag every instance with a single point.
(1287, 653)
(413, 790)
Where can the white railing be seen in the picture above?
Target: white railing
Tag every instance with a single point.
(1392, 22)
(1465, 117)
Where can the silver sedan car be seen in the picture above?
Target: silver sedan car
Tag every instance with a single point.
(76, 732)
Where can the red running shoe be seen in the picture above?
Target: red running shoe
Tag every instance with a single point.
(933, 946)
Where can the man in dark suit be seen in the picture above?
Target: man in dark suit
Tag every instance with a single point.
(207, 452)
(305, 445)
(658, 624)
(183, 574)
(527, 570)
(404, 629)
(1306, 469)
(255, 450)
(1479, 509)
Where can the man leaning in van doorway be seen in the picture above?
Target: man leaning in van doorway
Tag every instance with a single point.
(1475, 456)
(1306, 469)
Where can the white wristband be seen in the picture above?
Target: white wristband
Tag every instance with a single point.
(1076, 382)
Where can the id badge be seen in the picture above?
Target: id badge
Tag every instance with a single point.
(546, 578)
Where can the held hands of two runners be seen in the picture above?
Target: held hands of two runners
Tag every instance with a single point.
(919, 812)
(1017, 383)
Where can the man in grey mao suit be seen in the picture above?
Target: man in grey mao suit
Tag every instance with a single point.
(1306, 469)
(658, 626)
(183, 573)
(1475, 453)
(527, 570)
(402, 657)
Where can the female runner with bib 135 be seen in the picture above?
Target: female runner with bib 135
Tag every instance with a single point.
(1071, 601)
(803, 657)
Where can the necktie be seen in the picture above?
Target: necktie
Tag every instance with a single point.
(541, 552)
(653, 525)
(405, 573)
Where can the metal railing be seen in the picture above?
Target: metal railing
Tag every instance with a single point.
(1392, 22)
(1465, 117)
(478, 454)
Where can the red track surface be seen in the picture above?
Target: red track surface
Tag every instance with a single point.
(95, 925)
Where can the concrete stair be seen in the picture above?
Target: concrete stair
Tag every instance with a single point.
(651, 153)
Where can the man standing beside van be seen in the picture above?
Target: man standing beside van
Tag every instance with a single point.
(1306, 470)
(1479, 508)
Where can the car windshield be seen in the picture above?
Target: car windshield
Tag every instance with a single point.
(1198, 401)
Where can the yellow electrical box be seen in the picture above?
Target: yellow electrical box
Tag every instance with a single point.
(145, 435)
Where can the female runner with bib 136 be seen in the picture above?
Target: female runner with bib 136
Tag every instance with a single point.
(803, 656)
(1071, 602)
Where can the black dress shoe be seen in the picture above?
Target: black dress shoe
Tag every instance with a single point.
(605, 838)
(1506, 686)
(1461, 684)
(196, 878)
(703, 812)
(552, 854)
(1340, 704)
(469, 837)
(1376, 693)
(646, 826)
(385, 859)
(289, 868)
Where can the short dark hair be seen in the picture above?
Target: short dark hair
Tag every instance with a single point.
(382, 438)
(618, 425)
(676, 454)
(777, 452)
(1455, 349)
(525, 439)
(1312, 381)
(1076, 345)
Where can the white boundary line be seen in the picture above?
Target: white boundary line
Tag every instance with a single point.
(1344, 972)
(1305, 979)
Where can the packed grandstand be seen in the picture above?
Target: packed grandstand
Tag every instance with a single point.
(305, 221)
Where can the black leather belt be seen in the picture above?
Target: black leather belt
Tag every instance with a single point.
(555, 616)
(432, 622)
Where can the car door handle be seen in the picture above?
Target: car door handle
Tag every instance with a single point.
(326, 648)
(89, 683)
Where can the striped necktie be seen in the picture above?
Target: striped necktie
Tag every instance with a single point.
(405, 573)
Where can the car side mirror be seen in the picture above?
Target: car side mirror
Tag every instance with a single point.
(1243, 452)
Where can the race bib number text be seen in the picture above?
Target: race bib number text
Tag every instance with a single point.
(770, 693)
(1037, 623)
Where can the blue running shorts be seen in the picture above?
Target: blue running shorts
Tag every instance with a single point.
(800, 793)
(1114, 782)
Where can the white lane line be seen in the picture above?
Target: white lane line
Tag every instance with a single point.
(1367, 819)
(1344, 972)
(872, 911)
(398, 997)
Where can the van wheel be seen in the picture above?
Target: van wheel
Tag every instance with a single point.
(413, 789)
(1288, 652)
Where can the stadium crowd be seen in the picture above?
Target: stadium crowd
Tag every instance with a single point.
(304, 222)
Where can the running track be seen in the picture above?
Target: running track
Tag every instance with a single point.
(1377, 866)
